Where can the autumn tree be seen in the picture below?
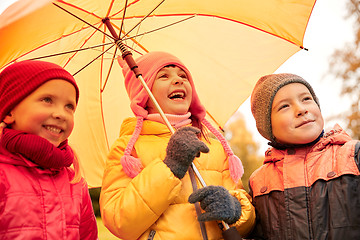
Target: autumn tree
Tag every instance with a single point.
(243, 146)
(345, 65)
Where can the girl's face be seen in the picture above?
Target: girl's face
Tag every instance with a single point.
(295, 116)
(172, 90)
(47, 112)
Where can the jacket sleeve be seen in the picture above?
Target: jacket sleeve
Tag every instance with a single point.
(357, 154)
(129, 206)
(88, 227)
(247, 219)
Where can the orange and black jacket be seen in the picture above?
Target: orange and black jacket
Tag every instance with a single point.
(309, 193)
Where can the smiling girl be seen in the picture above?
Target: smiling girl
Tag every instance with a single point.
(146, 191)
(41, 197)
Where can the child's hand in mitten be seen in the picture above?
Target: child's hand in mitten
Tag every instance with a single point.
(217, 203)
(182, 149)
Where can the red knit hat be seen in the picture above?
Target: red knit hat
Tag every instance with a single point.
(20, 79)
(149, 65)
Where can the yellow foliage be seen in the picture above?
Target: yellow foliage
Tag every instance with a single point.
(243, 146)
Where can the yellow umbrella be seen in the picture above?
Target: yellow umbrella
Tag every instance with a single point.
(227, 46)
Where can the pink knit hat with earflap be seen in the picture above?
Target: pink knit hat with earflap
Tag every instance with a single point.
(149, 65)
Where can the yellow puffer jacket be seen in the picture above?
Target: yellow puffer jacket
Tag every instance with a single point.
(155, 202)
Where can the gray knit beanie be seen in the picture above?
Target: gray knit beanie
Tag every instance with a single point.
(263, 95)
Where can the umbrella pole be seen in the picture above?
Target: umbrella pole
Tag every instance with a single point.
(197, 173)
(162, 114)
(127, 56)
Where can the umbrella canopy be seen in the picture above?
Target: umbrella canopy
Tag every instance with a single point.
(227, 46)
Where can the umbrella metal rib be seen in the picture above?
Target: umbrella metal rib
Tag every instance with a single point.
(127, 56)
(197, 173)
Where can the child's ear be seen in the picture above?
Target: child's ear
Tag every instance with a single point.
(9, 119)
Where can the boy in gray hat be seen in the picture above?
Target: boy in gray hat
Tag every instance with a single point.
(308, 187)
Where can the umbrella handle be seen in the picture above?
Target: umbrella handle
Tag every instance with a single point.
(162, 114)
(127, 56)
(197, 173)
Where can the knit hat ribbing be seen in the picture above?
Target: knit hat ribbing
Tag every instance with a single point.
(263, 95)
(20, 79)
(149, 65)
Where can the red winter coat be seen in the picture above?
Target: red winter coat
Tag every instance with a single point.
(42, 204)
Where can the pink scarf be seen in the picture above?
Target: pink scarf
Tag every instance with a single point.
(37, 149)
(176, 121)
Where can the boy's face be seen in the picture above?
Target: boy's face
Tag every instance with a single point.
(295, 116)
(47, 112)
(172, 90)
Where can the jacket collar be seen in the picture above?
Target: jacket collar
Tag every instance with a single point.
(335, 136)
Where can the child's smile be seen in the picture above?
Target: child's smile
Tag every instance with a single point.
(47, 112)
(295, 116)
(304, 123)
(177, 95)
(53, 131)
(172, 90)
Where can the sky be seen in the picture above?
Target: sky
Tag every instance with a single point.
(4, 4)
(327, 30)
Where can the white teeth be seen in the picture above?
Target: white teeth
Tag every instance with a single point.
(177, 94)
(53, 129)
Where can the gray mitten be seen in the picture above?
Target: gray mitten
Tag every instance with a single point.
(182, 149)
(217, 203)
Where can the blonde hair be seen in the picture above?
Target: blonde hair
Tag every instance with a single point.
(76, 167)
(2, 126)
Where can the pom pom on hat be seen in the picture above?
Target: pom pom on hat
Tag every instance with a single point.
(235, 165)
(20, 79)
(132, 166)
(263, 95)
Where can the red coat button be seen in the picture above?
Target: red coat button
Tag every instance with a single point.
(263, 189)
